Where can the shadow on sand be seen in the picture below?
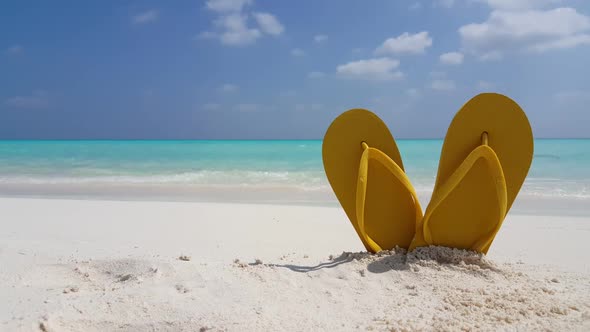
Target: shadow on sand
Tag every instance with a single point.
(399, 259)
(342, 259)
(377, 263)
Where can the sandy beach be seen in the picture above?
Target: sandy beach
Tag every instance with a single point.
(186, 166)
(91, 265)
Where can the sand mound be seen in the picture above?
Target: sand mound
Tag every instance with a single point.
(121, 270)
(434, 257)
(433, 288)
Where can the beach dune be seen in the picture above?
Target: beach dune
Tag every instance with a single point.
(84, 265)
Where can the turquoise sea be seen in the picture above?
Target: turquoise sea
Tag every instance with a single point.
(561, 168)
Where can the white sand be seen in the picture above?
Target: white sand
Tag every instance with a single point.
(69, 265)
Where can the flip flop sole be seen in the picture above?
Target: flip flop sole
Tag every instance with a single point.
(390, 215)
(471, 210)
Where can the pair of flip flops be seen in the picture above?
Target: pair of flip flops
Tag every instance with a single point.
(485, 158)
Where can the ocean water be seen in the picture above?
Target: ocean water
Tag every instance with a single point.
(561, 168)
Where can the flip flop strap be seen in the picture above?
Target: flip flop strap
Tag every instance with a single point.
(486, 153)
(361, 188)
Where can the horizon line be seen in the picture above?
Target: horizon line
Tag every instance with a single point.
(236, 139)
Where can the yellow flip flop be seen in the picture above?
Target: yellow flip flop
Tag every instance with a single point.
(484, 161)
(365, 170)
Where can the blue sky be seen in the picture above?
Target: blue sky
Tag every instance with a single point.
(231, 69)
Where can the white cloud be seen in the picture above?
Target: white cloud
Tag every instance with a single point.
(38, 99)
(148, 16)
(297, 52)
(211, 107)
(247, 107)
(228, 88)
(320, 38)
(451, 58)
(235, 30)
(529, 30)
(443, 85)
(379, 69)
(406, 43)
(269, 24)
(491, 56)
(227, 5)
(232, 25)
(566, 42)
(519, 4)
(316, 74)
(14, 50)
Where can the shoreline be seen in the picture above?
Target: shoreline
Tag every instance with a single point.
(525, 204)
